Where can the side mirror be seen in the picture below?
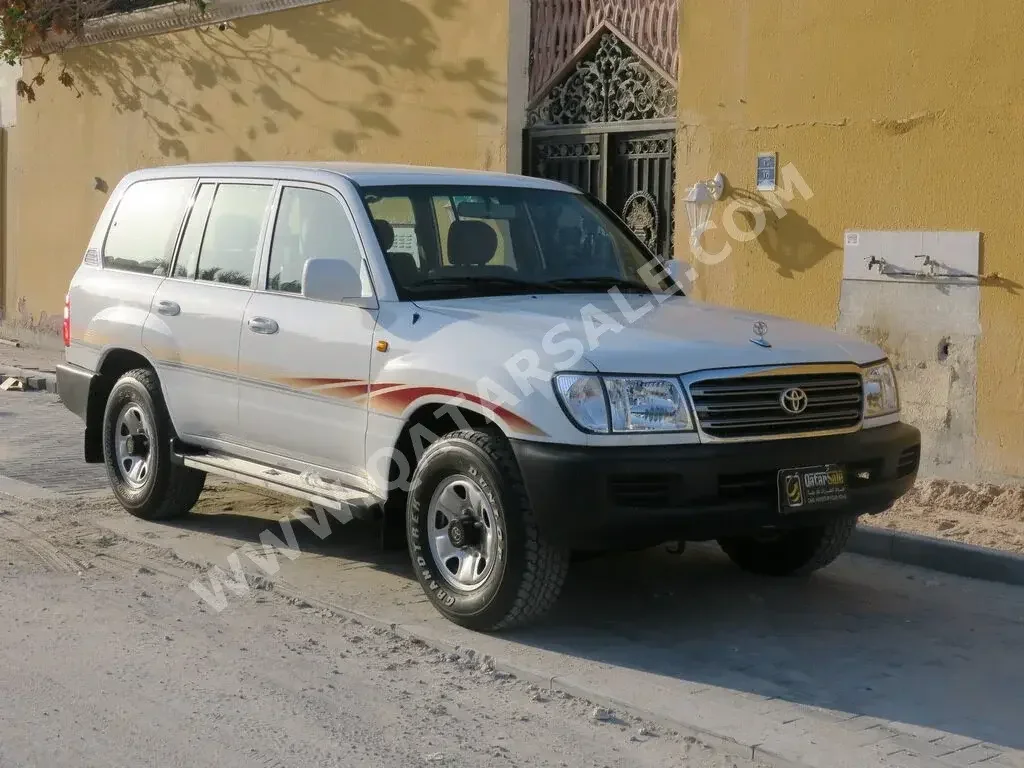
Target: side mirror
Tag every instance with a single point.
(330, 280)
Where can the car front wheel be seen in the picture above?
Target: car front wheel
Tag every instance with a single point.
(136, 449)
(793, 552)
(474, 542)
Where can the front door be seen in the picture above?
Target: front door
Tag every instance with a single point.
(304, 364)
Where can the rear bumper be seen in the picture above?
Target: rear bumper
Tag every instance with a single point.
(598, 498)
(83, 394)
(73, 387)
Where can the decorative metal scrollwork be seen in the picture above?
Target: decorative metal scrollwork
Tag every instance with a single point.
(640, 213)
(567, 151)
(634, 148)
(563, 152)
(611, 84)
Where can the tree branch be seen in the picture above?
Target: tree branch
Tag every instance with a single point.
(26, 24)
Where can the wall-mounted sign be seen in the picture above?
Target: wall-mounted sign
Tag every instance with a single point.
(766, 167)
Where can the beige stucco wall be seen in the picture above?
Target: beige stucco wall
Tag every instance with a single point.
(417, 81)
(898, 119)
(8, 93)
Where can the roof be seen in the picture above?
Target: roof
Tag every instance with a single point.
(366, 174)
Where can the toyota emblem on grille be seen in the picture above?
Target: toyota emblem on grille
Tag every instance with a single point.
(793, 401)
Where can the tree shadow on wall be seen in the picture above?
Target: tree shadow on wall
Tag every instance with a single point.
(175, 82)
(789, 239)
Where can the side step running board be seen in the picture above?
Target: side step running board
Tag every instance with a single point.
(304, 485)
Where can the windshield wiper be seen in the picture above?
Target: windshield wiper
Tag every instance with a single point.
(600, 283)
(470, 281)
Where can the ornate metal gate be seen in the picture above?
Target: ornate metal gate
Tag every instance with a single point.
(607, 126)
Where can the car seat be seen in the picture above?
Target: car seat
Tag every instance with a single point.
(403, 265)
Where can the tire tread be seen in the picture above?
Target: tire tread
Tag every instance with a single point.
(546, 566)
(802, 552)
(183, 485)
(833, 542)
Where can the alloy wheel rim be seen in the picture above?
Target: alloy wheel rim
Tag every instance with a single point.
(462, 533)
(133, 445)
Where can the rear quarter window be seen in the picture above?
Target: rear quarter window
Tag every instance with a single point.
(145, 225)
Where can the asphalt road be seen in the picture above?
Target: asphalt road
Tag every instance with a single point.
(864, 664)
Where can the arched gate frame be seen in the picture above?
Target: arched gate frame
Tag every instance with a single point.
(607, 124)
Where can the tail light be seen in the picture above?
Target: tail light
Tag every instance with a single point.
(67, 320)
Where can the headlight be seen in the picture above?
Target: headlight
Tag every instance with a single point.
(647, 405)
(880, 394)
(635, 404)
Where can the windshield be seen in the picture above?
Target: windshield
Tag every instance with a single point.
(459, 241)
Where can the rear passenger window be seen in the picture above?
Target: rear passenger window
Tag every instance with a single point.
(311, 225)
(228, 252)
(145, 225)
(188, 253)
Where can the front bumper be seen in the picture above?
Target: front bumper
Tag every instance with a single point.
(600, 498)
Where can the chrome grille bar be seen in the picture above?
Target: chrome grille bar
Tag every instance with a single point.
(749, 406)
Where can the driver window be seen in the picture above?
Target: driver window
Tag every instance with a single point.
(311, 225)
(579, 240)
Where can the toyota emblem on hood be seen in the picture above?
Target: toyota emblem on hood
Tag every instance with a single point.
(760, 329)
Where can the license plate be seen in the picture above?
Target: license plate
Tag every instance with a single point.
(811, 487)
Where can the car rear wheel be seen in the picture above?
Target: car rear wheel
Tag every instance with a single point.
(794, 552)
(136, 449)
(474, 542)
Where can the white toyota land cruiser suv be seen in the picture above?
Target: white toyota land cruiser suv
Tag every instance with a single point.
(493, 364)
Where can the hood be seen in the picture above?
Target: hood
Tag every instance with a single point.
(678, 336)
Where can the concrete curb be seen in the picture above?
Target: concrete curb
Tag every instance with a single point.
(41, 381)
(938, 555)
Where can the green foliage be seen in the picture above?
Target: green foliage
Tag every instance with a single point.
(25, 25)
(17, 27)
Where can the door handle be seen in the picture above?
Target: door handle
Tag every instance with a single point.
(169, 308)
(262, 325)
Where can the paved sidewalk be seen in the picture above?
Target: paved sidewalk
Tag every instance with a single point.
(35, 366)
(30, 357)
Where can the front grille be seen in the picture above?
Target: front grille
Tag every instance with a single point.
(647, 490)
(751, 406)
(908, 461)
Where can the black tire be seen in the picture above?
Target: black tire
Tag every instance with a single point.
(168, 490)
(795, 552)
(528, 572)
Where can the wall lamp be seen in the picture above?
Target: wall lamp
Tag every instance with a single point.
(700, 202)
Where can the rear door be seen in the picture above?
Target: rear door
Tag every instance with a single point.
(128, 258)
(304, 364)
(193, 328)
